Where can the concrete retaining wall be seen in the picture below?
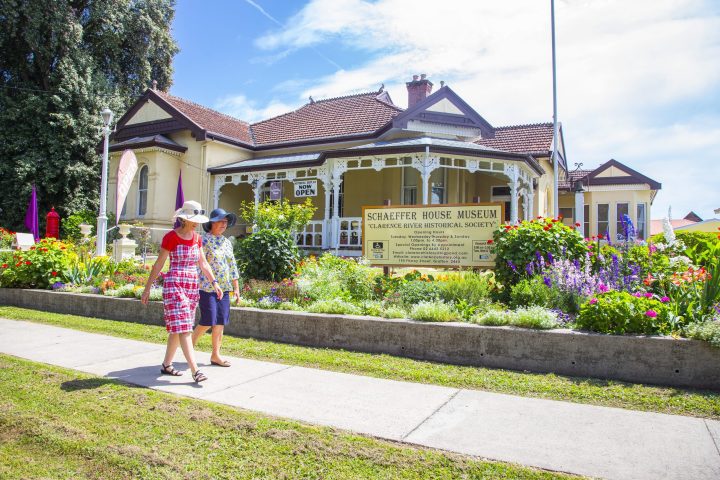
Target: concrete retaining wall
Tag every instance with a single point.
(655, 360)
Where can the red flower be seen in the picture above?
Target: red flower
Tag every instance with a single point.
(4, 265)
(54, 274)
(546, 228)
(577, 224)
(28, 262)
(600, 237)
(489, 242)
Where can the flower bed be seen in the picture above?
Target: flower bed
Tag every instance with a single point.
(643, 359)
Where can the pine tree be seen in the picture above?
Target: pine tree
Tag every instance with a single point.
(61, 63)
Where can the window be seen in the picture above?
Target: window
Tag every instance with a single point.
(502, 194)
(265, 190)
(142, 191)
(621, 209)
(603, 219)
(641, 222)
(437, 186)
(568, 215)
(586, 214)
(410, 181)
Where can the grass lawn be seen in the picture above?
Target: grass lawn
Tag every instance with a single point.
(581, 390)
(58, 423)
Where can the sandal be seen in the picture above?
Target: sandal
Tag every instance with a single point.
(170, 370)
(198, 376)
(224, 363)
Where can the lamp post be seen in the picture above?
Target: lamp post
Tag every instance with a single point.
(107, 117)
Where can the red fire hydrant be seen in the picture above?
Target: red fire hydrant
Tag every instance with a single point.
(52, 228)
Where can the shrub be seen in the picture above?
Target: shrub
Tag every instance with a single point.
(620, 312)
(493, 318)
(39, 267)
(534, 317)
(472, 287)
(373, 308)
(517, 246)
(6, 238)
(416, 291)
(530, 291)
(689, 239)
(285, 290)
(334, 306)
(393, 311)
(708, 331)
(330, 277)
(268, 254)
(434, 311)
(531, 317)
(283, 215)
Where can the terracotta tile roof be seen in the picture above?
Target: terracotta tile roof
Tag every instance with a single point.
(335, 117)
(534, 139)
(656, 226)
(210, 120)
(573, 176)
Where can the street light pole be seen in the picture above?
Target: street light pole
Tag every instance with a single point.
(107, 116)
(556, 199)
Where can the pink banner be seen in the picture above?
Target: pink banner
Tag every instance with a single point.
(126, 172)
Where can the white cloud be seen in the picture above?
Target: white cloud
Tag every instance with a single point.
(631, 75)
(239, 106)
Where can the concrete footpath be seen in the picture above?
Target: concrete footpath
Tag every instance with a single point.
(582, 439)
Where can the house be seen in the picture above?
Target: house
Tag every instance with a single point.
(657, 225)
(353, 151)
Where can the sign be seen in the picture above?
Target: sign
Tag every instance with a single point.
(454, 235)
(306, 188)
(275, 190)
(126, 172)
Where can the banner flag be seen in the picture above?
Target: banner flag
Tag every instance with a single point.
(127, 167)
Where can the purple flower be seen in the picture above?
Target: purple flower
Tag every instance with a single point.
(665, 299)
(547, 281)
(512, 265)
(638, 294)
(550, 257)
(651, 313)
(57, 285)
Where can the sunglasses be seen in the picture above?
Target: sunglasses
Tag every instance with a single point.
(196, 212)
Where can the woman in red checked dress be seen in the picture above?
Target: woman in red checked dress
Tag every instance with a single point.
(180, 285)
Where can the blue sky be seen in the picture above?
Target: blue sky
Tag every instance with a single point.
(637, 81)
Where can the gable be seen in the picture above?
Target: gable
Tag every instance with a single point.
(444, 112)
(149, 112)
(612, 171)
(444, 106)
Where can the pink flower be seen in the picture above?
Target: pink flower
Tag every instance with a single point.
(638, 294)
(651, 313)
(648, 295)
(603, 288)
(593, 301)
(665, 299)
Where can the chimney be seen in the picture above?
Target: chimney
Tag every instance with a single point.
(418, 89)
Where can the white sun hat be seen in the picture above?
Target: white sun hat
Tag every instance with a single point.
(191, 211)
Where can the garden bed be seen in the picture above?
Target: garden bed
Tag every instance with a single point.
(643, 359)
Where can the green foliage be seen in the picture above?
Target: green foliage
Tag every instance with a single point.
(6, 238)
(689, 239)
(620, 312)
(534, 316)
(416, 291)
(392, 311)
(268, 254)
(39, 267)
(708, 331)
(534, 292)
(434, 311)
(516, 246)
(282, 215)
(474, 288)
(84, 272)
(335, 306)
(61, 64)
(70, 226)
(330, 277)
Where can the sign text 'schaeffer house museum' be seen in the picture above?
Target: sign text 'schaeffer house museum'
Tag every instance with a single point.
(362, 150)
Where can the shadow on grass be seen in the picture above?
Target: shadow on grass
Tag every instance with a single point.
(91, 383)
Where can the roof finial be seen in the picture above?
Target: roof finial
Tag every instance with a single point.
(154, 84)
(442, 83)
(382, 87)
(311, 99)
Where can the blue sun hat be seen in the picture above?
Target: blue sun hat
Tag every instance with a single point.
(217, 215)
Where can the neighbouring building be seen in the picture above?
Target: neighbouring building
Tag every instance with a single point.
(360, 150)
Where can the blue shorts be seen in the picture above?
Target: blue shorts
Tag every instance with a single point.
(213, 311)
